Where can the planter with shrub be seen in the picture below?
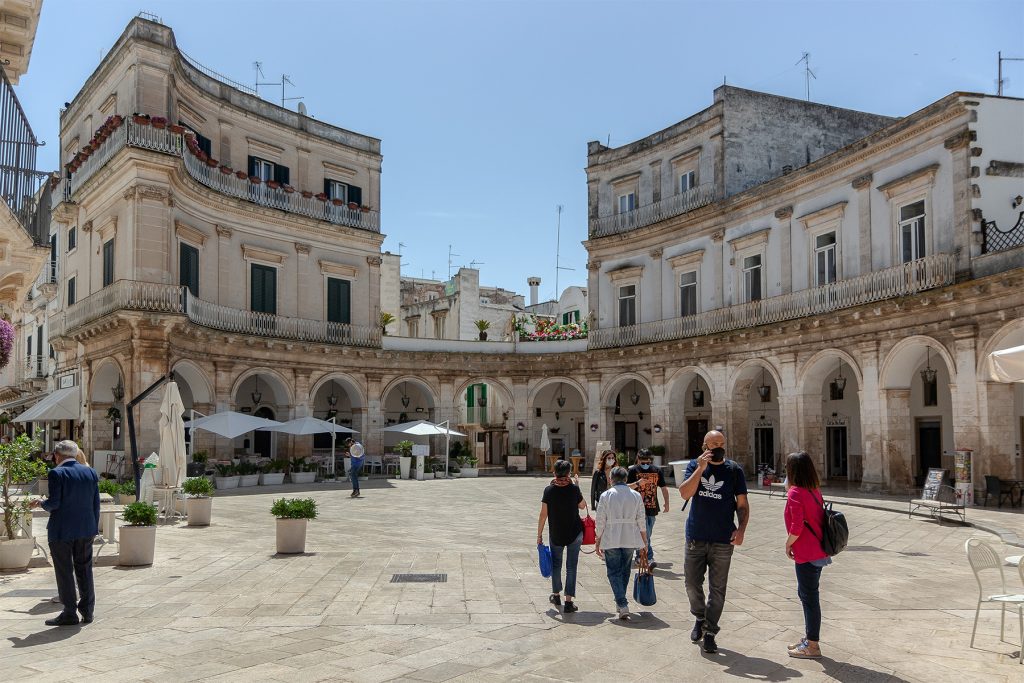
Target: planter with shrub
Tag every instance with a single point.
(301, 472)
(126, 492)
(197, 467)
(199, 504)
(138, 535)
(292, 515)
(249, 474)
(226, 477)
(405, 460)
(17, 466)
(273, 473)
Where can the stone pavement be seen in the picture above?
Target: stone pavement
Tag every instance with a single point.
(219, 605)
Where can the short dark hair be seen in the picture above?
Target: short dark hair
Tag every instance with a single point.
(800, 471)
(562, 468)
(643, 454)
(619, 475)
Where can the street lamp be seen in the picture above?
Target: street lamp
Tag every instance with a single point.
(839, 384)
(928, 374)
(405, 398)
(561, 399)
(765, 390)
(698, 398)
(257, 397)
(332, 400)
(634, 398)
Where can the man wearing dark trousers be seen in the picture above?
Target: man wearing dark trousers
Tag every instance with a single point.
(717, 491)
(74, 507)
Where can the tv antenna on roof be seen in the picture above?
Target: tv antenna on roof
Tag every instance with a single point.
(450, 254)
(1000, 82)
(808, 74)
(474, 263)
(285, 80)
(558, 249)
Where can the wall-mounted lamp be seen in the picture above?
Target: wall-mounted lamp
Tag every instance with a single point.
(657, 429)
(593, 427)
(257, 397)
(561, 399)
(634, 398)
(928, 374)
(765, 390)
(332, 399)
(698, 398)
(520, 426)
(405, 397)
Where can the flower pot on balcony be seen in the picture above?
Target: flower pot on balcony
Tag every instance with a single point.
(288, 188)
(116, 120)
(338, 202)
(306, 194)
(364, 209)
(212, 163)
(322, 197)
(226, 170)
(176, 129)
(241, 175)
(273, 184)
(255, 180)
(158, 124)
(141, 120)
(353, 206)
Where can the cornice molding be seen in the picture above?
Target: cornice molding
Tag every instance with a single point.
(625, 273)
(690, 258)
(302, 249)
(754, 239)
(223, 231)
(922, 177)
(825, 215)
(253, 253)
(862, 182)
(340, 269)
(187, 232)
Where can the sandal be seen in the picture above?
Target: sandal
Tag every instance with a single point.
(806, 651)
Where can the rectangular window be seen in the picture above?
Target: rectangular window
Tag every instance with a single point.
(263, 294)
(188, 268)
(28, 349)
(439, 327)
(627, 202)
(72, 238)
(51, 273)
(339, 300)
(71, 291)
(912, 240)
(824, 259)
(414, 328)
(261, 168)
(752, 278)
(627, 305)
(687, 181)
(688, 293)
(570, 317)
(108, 263)
(335, 189)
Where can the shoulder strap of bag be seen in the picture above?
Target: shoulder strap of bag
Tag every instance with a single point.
(821, 501)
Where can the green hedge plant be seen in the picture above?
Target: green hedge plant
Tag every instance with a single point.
(294, 508)
(140, 514)
(18, 466)
(109, 486)
(197, 487)
(127, 488)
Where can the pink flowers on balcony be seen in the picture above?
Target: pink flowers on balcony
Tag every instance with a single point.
(548, 330)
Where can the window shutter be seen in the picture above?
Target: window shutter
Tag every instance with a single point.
(256, 287)
(339, 301)
(71, 291)
(355, 194)
(108, 262)
(327, 188)
(188, 275)
(281, 174)
(252, 165)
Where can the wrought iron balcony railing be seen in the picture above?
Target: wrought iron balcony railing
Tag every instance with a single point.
(642, 216)
(902, 280)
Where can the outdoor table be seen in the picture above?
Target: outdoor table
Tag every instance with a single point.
(549, 463)
(166, 494)
(576, 464)
(108, 522)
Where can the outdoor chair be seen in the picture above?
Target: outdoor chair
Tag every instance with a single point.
(392, 465)
(374, 462)
(983, 557)
(994, 486)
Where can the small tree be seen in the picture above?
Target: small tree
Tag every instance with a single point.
(18, 466)
(385, 320)
(404, 447)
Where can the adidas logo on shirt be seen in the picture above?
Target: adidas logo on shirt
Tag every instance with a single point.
(710, 487)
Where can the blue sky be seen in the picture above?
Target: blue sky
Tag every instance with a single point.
(485, 108)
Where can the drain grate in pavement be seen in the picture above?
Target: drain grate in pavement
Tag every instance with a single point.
(419, 578)
(911, 554)
(864, 548)
(30, 593)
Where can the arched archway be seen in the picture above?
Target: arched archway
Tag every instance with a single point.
(404, 399)
(754, 433)
(482, 406)
(339, 397)
(915, 381)
(829, 410)
(561, 404)
(107, 410)
(691, 400)
(194, 386)
(626, 405)
(1000, 404)
(262, 391)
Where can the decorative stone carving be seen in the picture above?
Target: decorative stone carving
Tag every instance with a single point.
(656, 253)
(302, 249)
(718, 236)
(784, 213)
(374, 261)
(594, 265)
(223, 231)
(961, 139)
(862, 182)
(87, 226)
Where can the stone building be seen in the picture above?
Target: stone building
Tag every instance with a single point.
(823, 279)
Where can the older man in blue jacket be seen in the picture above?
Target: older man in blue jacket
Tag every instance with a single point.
(74, 507)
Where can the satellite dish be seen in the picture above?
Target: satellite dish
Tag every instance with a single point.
(302, 108)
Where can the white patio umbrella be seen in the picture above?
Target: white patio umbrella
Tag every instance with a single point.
(424, 428)
(172, 437)
(1007, 365)
(230, 424)
(311, 425)
(545, 440)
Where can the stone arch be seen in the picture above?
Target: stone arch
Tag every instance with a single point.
(558, 379)
(615, 386)
(353, 387)
(198, 383)
(103, 378)
(815, 368)
(1008, 336)
(829, 420)
(902, 359)
(506, 391)
(431, 393)
(685, 418)
(278, 383)
(754, 429)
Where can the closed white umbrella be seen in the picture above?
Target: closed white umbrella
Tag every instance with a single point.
(1007, 365)
(545, 440)
(172, 437)
(230, 424)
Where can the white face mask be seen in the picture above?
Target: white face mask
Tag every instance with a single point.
(610, 462)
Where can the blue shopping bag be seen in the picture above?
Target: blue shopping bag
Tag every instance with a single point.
(544, 556)
(643, 587)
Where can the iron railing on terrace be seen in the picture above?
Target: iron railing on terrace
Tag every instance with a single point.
(131, 134)
(20, 182)
(148, 297)
(902, 280)
(997, 239)
(642, 216)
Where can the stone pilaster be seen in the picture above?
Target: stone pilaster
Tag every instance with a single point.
(373, 419)
(594, 293)
(863, 186)
(897, 439)
(373, 298)
(873, 477)
(959, 149)
(993, 454)
(594, 415)
(718, 263)
(785, 228)
(964, 391)
(224, 259)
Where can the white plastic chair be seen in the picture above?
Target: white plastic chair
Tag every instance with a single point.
(983, 557)
(373, 462)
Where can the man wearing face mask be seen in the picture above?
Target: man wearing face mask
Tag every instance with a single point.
(717, 490)
(645, 478)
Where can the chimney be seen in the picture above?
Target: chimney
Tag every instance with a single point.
(534, 283)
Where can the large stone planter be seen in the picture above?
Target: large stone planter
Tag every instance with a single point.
(44, 486)
(272, 479)
(15, 554)
(248, 480)
(291, 536)
(302, 478)
(137, 546)
(404, 466)
(468, 472)
(428, 475)
(199, 511)
(227, 482)
(126, 498)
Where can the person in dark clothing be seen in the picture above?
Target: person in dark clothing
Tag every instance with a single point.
(560, 507)
(74, 507)
(646, 479)
(600, 482)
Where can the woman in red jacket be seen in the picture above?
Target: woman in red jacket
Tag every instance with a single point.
(805, 516)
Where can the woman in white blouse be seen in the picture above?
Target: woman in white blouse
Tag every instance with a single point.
(621, 532)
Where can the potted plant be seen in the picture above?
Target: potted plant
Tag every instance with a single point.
(109, 487)
(226, 170)
(467, 466)
(273, 184)
(140, 119)
(176, 129)
(273, 473)
(17, 466)
(292, 515)
(199, 505)
(126, 492)
(301, 472)
(385, 320)
(482, 326)
(212, 163)
(322, 196)
(657, 454)
(353, 206)
(249, 474)
(138, 535)
(158, 122)
(197, 467)
(338, 202)
(288, 189)
(428, 469)
(241, 175)
(226, 477)
(306, 194)
(364, 208)
(404, 450)
(255, 180)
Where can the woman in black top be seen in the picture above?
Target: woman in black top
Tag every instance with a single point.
(599, 484)
(560, 508)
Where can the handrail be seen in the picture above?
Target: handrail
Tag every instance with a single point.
(161, 140)
(642, 216)
(159, 298)
(905, 279)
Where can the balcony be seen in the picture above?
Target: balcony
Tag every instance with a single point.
(996, 239)
(902, 280)
(32, 367)
(131, 134)
(128, 295)
(678, 204)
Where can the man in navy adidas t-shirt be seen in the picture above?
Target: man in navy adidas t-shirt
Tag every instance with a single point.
(717, 491)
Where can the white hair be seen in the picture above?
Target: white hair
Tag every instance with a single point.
(66, 449)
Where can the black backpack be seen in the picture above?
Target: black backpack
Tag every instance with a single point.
(834, 532)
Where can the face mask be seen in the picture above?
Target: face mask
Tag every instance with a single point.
(610, 463)
(645, 466)
(717, 454)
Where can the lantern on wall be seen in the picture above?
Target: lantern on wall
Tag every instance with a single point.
(561, 399)
(256, 396)
(405, 397)
(765, 390)
(698, 398)
(634, 398)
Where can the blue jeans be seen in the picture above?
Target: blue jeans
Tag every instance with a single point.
(651, 519)
(353, 474)
(807, 577)
(618, 562)
(572, 558)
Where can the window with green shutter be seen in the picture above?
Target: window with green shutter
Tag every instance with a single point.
(263, 294)
(188, 270)
(339, 300)
(108, 262)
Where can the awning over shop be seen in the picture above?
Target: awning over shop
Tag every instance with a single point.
(63, 404)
